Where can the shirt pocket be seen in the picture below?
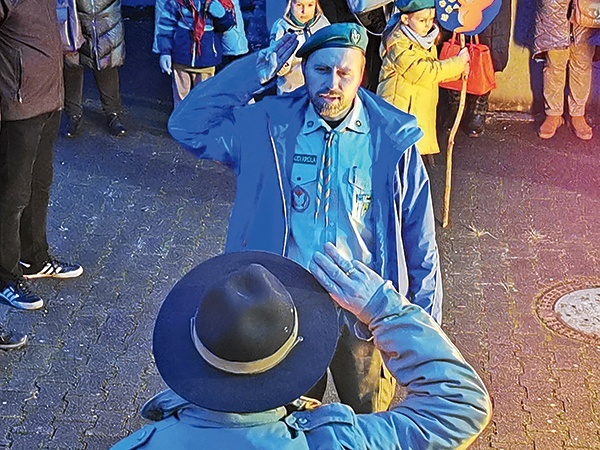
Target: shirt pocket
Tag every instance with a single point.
(304, 181)
(359, 185)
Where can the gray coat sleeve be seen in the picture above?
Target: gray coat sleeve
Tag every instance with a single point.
(447, 404)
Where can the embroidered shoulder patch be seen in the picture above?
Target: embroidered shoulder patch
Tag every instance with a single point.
(305, 159)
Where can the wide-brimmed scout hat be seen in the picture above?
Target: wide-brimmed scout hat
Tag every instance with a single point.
(245, 332)
(341, 35)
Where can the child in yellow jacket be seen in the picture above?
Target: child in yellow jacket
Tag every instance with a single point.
(411, 71)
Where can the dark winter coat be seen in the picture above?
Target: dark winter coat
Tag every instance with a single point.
(30, 59)
(497, 36)
(104, 33)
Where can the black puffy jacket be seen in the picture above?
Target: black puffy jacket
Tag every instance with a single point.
(104, 33)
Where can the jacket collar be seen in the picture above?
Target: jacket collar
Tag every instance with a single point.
(197, 416)
(400, 127)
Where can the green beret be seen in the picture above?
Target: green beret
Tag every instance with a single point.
(343, 35)
(410, 6)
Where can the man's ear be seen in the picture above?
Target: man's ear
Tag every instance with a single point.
(404, 19)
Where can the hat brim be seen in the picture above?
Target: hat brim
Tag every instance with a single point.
(186, 372)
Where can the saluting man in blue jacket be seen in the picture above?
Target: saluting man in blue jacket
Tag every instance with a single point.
(243, 335)
(328, 162)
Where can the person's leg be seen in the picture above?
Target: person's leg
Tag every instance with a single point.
(580, 84)
(554, 79)
(19, 142)
(73, 80)
(449, 115)
(479, 107)
(318, 390)
(107, 82)
(181, 85)
(34, 244)
(360, 378)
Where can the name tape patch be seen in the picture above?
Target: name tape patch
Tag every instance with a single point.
(305, 159)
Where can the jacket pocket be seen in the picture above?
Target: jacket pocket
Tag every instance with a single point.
(359, 185)
(11, 82)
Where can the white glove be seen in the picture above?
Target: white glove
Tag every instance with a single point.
(165, 64)
(351, 284)
(215, 9)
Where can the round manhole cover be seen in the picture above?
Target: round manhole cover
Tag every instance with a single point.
(572, 309)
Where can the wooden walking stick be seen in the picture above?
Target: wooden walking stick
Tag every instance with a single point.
(459, 114)
(464, 18)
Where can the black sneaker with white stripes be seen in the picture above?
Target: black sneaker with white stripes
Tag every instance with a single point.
(52, 268)
(11, 341)
(18, 295)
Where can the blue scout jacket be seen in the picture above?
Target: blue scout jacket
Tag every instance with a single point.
(173, 36)
(258, 141)
(446, 405)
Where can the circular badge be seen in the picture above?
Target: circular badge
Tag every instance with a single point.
(300, 199)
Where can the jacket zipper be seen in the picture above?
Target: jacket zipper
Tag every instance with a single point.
(19, 76)
(281, 191)
(95, 36)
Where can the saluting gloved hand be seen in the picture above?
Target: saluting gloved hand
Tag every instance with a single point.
(270, 60)
(351, 284)
(165, 64)
(215, 9)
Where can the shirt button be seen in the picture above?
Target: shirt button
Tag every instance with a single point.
(358, 123)
(302, 421)
(310, 123)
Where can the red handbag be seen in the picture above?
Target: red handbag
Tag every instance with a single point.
(482, 78)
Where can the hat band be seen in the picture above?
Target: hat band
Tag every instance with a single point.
(246, 367)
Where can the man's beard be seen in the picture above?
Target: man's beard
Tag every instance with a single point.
(329, 110)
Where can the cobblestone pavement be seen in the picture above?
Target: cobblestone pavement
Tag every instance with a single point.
(138, 213)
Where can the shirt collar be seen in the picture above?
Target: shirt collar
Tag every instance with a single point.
(199, 416)
(356, 120)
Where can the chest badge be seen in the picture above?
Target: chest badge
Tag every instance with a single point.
(300, 199)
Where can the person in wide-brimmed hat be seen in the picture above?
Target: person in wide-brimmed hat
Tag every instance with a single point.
(242, 336)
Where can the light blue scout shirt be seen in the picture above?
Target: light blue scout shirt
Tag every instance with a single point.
(351, 173)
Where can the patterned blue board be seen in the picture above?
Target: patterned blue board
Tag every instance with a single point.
(466, 16)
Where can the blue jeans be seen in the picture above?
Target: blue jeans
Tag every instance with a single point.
(25, 179)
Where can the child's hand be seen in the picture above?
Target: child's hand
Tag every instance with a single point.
(465, 58)
(165, 64)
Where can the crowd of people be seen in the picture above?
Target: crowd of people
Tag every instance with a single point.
(332, 201)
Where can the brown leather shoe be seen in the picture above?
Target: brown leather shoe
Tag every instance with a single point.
(549, 127)
(581, 129)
